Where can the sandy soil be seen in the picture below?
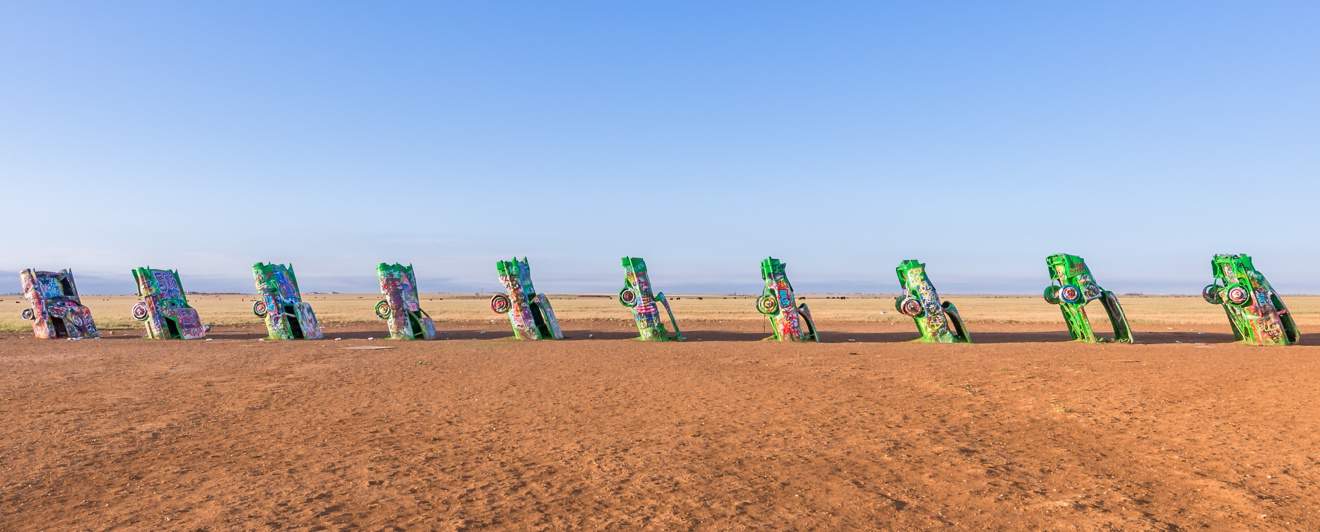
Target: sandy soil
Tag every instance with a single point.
(1022, 430)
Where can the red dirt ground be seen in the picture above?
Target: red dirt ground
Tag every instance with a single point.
(1021, 430)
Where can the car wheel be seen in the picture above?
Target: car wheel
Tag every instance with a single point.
(1238, 295)
(140, 311)
(1092, 291)
(383, 309)
(1070, 294)
(767, 304)
(910, 307)
(28, 314)
(501, 304)
(1211, 294)
(628, 297)
(259, 308)
(1052, 295)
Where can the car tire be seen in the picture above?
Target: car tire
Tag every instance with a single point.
(383, 309)
(28, 315)
(501, 304)
(1070, 294)
(1238, 295)
(259, 308)
(1052, 295)
(140, 311)
(767, 304)
(1212, 295)
(910, 307)
(628, 297)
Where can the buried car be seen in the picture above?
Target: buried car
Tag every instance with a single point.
(54, 307)
(400, 309)
(637, 296)
(529, 313)
(938, 322)
(1072, 288)
(1255, 311)
(286, 315)
(788, 320)
(163, 307)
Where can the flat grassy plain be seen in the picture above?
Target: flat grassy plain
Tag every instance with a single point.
(234, 310)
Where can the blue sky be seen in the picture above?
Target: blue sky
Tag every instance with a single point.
(977, 136)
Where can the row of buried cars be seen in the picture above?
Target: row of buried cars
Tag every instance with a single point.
(1255, 311)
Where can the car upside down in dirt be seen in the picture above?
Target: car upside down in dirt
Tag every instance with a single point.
(1255, 311)
(529, 313)
(54, 307)
(789, 321)
(401, 309)
(1072, 288)
(286, 315)
(163, 306)
(938, 322)
(637, 296)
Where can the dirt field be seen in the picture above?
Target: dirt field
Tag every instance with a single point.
(1021, 430)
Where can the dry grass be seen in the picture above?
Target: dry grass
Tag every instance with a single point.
(112, 312)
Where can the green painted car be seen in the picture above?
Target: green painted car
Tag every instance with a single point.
(938, 322)
(645, 305)
(529, 312)
(1254, 309)
(1072, 289)
(788, 320)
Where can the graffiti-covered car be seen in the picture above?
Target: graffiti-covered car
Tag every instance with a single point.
(1255, 311)
(163, 306)
(54, 307)
(529, 313)
(645, 305)
(401, 309)
(937, 321)
(280, 304)
(788, 320)
(1072, 287)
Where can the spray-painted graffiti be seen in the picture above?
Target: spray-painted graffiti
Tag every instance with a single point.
(1255, 311)
(280, 304)
(637, 295)
(788, 320)
(1072, 288)
(55, 309)
(938, 322)
(529, 313)
(163, 306)
(400, 309)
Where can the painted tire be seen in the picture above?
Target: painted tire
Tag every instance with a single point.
(1070, 294)
(28, 315)
(628, 297)
(1211, 294)
(910, 307)
(259, 308)
(1237, 295)
(767, 304)
(1052, 295)
(140, 311)
(383, 309)
(500, 304)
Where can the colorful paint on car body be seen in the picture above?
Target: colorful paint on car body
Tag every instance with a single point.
(645, 305)
(529, 313)
(1072, 288)
(54, 307)
(281, 306)
(401, 309)
(1255, 311)
(938, 322)
(789, 320)
(164, 306)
